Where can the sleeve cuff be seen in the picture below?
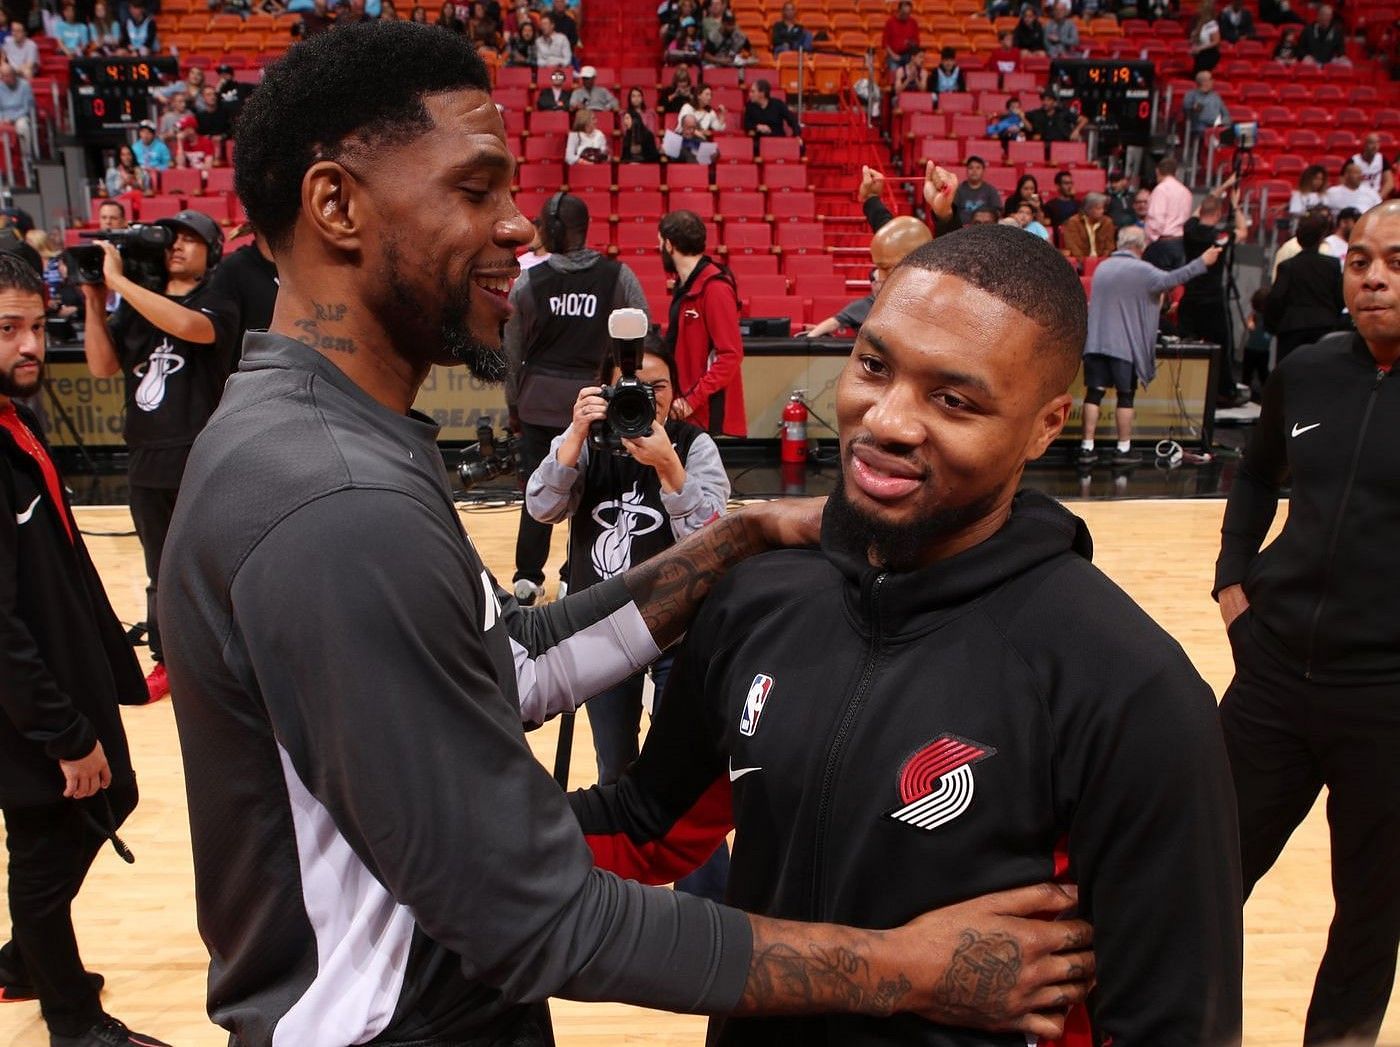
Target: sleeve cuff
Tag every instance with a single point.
(74, 743)
(686, 500)
(555, 476)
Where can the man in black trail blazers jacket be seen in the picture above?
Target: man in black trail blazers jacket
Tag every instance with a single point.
(1314, 621)
(947, 698)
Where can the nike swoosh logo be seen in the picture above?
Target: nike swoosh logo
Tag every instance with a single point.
(1299, 430)
(24, 517)
(735, 773)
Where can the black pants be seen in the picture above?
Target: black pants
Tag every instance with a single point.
(1209, 320)
(1287, 738)
(1291, 340)
(532, 540)
(151, 510)
(51, 849)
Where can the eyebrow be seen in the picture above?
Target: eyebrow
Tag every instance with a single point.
(961, 378)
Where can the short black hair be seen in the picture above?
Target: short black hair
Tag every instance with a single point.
(685, 230)
(975, 159)
(112, 203)
(18, 275)
(1063, 174)
(1312, 230)
(563, 223)
(764, 88)
(365, 81)
(1167, 165)
(1028, 274)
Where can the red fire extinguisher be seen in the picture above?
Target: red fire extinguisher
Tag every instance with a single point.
(794, 444)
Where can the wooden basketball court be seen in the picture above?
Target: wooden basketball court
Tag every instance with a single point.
(136, 923)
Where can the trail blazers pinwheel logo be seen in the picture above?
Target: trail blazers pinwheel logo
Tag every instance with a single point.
(935, 784)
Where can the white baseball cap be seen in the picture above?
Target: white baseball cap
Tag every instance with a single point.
(588, 73)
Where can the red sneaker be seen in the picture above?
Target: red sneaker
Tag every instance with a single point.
(157, 684)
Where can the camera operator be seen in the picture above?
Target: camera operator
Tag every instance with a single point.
(65, 771)
(168, 349)
(1205, 306)
(555, 339)
(625, 509)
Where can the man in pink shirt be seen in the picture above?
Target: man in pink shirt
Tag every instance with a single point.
(901, 38)
(1168, 210)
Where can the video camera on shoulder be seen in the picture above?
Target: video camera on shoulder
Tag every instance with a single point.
(488, 458)
(142, 249)
(631, 402)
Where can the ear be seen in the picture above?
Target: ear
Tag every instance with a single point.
(333, 203)
(1048, 426)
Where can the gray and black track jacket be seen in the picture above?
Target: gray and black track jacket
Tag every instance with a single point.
(378, 856)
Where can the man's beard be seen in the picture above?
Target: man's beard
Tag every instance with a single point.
(900, 546)
(668, 263)
(10, 387)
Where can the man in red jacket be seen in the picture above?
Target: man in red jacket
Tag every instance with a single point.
(703, 330)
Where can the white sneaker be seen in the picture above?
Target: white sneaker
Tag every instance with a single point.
(563, 589)
(527, 592)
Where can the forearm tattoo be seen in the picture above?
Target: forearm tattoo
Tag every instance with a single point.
(819, 976)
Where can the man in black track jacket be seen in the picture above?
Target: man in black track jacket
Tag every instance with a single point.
(948, 698)
(1314, 621)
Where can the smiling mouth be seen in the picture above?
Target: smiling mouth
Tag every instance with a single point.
(497, 286)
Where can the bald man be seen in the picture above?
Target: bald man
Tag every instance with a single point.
(1314, 622)
(888, 247)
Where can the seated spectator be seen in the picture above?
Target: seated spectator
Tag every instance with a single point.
(707, 118)
(637, 106)
(169, 127)
(1139, 202)
(1052, 122)
(1236, 23)
(564, 22)
(1278, 12)
(1061, 34)
(211, 115)
(126, 175)
(139, 30)
(1289, 48)
(104, 31)
(387, 11)
(1203, 106)
(520, 49)
(912, 77)
(1006, 58)
(1339, 239)
(17, 104)
(193, 149)
(482, 29)
(1324, 41)
(638, 145)
(232, 93)
(787, 34)
(190, 86)
(1375, 172)
(766, 115)
(590, 96)
(728, 46)
(556, 96)
(353, 12)
(151, 153)
(901, 36)
(986, 216)
(1027, 192)
(691, 139)
(947, 75)
(1154, 10)
(973, 193)
(1010, 126)
(586, 144)
(852, 314)
(1352, 192)
(447, 19)
(687, 48)
(1204, 35)
(1120, 198)
(518, 17)
(1029, 34)
(1305, 302)
(552, 48)
(674, 22)
(680, 91)
(1064, 205)
(1090, 233)
(73, 36)
(20, 52)
(1025, 216)
(711, 17)
(1312, 184)
(419, 14)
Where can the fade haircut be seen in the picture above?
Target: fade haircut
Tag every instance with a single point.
(685, 230)
(1027, 274)
(18, 275)
(360, 87)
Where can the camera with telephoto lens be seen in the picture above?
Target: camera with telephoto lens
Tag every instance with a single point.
(631, 402)
(142, 249)
(488, 458)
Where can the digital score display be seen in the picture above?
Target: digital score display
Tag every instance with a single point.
(1116, 96)
(114, 94)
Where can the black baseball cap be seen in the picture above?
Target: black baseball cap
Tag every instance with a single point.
(202, 226)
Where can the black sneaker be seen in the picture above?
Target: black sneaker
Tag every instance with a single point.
(1086, 456)
(136, 635)
(13, 990)
(107, 1033)
(1128, 458)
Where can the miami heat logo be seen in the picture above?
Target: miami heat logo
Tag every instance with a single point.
(158, 367)
(622, 521)
(935, 784)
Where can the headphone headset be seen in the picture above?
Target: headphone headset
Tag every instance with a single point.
(553, 224)
(202, 226)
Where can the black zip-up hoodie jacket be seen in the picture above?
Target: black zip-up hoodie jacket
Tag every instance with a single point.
(1322, 596)
(64, 662)
(890, 743)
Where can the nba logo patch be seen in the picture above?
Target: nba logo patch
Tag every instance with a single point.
(754, 703)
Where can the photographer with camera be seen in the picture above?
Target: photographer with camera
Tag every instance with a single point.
(1204, 312)
(169, 351)
(555, 339)
(630, 497)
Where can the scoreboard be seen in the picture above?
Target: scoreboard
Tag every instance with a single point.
(114, 94)
(1115, 95)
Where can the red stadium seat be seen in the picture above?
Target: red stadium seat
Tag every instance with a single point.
(956, 102)
(687, 176)
(702, 203)
(989, 149)
(514, 76)
(915, 103)
(643, 205)
(636, 236)
(776, 305)
(801, 238)
(968, 125)
(1067, 154)
(740, 205)
(1090, 179)
(943, 151)
(157, 207)
(822, 306)
(763, 285)
(831, 285)
(984, 80)
(549, 121)
(182, 181)
(801, 266)
(632, 177)
(583, 177)
(531, 202)
(599, 204)
(1025, 153)
(747, 236)
(741, 176)
(544, 147)
(778, 150)
(722, 77)
(541, 175)
(795, 206)
(785, 177)
(755, 265)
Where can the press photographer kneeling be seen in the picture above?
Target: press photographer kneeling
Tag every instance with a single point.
(634, 482)
(167, 348)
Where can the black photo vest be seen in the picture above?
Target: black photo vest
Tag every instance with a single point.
(571, 338)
